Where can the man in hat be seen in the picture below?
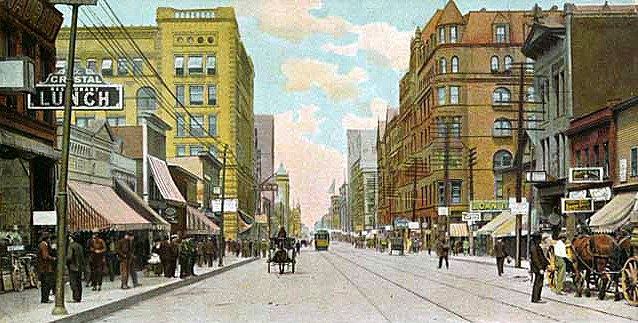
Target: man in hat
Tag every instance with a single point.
(163, 252)
(172, 254)
(210, 248)
(185, 257)
(443, 249)
(45, 268)
(537, 266)
(97, 249)
(75, 262)
(125, 256)
(560, 255)
(500, 254)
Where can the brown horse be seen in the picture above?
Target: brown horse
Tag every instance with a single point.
(598, 254)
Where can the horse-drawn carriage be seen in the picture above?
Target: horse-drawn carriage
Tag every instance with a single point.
(282, 254)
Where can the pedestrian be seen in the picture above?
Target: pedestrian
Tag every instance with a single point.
(500, 254)
(97, 249)
(443, 248)
(194, 256)
(200, 253)
(111, 258)
(466, 247)
(45, 268)
(209, 250)
(172, 255)
(132, 266)
(537, 266)
(185, 257)
(264, 248)
(560, 255)
(75, 263)
(162, 252)
(125, 256)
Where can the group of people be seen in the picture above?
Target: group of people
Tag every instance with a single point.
(187, 252)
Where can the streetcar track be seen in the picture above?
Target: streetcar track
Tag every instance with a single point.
(500, 287)
(408, 290)
(356, 287)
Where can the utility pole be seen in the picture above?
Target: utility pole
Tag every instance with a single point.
(518, 164)
(442, 219)
(472, 162)
(222, 243)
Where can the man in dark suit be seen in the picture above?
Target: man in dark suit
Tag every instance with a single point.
(45, 268)
(75, 263)
(537, 265)
(500, 254)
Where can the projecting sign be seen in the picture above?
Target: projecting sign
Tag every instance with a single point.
(623, 170)
(471, 216)
(89, 92)
(577, 205)
(230, 205)
(536, 176)
(518, 208)
(586, 175)
(268, 187)
(388, 228)
(413, 225)
(444, 211)
(488, 205)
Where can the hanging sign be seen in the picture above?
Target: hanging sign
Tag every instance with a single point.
(444, 211)
(577, 205)
(586, 175)
(600, 194)
(623, 170)
(578, 194)
(413, 225)
(471, 216)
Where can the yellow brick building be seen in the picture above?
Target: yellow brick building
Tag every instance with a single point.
(203, 64)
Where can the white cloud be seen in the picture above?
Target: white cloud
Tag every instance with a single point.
(377, 110)
(303, 74)
(311, 166)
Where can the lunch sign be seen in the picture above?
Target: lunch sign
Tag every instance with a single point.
(89, 92)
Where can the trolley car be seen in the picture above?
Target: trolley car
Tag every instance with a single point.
(322, 240)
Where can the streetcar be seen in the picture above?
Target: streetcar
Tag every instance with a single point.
(322, 240)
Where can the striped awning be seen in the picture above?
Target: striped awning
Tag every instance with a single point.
(613, 215)
(508, 228)
(198, 223)
(98, 207)
(164, 181)
(137, 203)
(492, 225)
(459, 230)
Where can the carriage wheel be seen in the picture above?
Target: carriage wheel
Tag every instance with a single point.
(630, 281)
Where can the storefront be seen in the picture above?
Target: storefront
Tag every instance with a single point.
(165, 197)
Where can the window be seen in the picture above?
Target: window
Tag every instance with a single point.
(180, 151)
(494, 64)
(442, 199)
(456, 127)
(179, 94)
(197, 126)
(145, 99)
(138, 65)
(107, 67)
(455, 64)
(456, 193)
(586, 161)
(441, 35)
(454, 95)
(212, 95)
(196, 94)
(442, 67)
(531, 121)
(634, 161)
(195, 65)
(606, 159)
(211, 65)
(453, 34)
(91, 65)
(596, 162)
(529, 66)
(577, 158)
(84, 122)
(501, 34)
(195, 150)
(508, 62)
(116, 121)
(501, 95)
(502, 128)
(502, 159)
(121, 67)
(498, 186)
(180, 126)
(441, 127)
(441, 95)
(212, 125)
(179, 65)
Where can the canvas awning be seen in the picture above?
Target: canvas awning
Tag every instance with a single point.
(98, 207)
(508, 228)
(488, 228)
(459, 230)
(198, 223)
(164, 181)
(137, 203)
(613, 215)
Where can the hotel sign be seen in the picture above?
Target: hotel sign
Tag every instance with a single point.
(37, 14)
(488, 205)
(577, 205)
(586, 175)
(89, 92)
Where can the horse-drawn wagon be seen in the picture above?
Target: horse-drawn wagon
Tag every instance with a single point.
(282, 254)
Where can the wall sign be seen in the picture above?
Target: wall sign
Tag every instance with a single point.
(586, 175)
(488, 205)
(577, 205)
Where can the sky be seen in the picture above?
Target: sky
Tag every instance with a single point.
(321, 67)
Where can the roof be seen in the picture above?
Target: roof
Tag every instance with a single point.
(497, 221)
(198, 223)
(450, 15)
(459, 230)
(282, 170)
(164, 181)
(614, 214)
(94, 206)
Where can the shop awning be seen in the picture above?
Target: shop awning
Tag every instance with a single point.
(137, 203)
(613, 215)
(198, 223)
(164, 181)
(459, 230)
(508, 228)
(488, 228)
(93, 206)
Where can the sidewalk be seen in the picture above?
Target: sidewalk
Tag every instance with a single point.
(25, 306)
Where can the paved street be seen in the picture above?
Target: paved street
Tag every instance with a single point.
(354, 285)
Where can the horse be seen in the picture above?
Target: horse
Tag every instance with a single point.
(594, 254)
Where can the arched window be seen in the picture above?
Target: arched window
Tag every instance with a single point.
(501, 95)
(502, 128)
(442, 66)
(145, 99)
(455, 64)
(508, 63)
(502, 159)
(494, 64)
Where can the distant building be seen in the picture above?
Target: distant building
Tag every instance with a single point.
(265, 132)
(362, 178)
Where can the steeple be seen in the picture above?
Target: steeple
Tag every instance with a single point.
(282, 170)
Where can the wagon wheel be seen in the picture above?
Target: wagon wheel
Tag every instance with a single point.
(630, 281)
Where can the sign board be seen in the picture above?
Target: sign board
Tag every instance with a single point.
(577, 205)
(518, 208)
(444, 211)
(268, 187)
(230, 205)
(388, 228)
(364, 233)
(16, 248)
(401, 223)
(600, 194)
(471, 216)
(623, 170)
(586, 175)
(488, 205)
(374, 231)
(261, 218)
(536, 176)
(578, 194)
(89, 92)
(44, 218)
(413, 225)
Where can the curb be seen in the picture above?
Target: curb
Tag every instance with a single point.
(106, 309)
(484, 262)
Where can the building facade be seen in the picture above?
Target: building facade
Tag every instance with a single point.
(362, 178)
(344, 215)
(195, 74)
(280, 215)
(265, 132)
